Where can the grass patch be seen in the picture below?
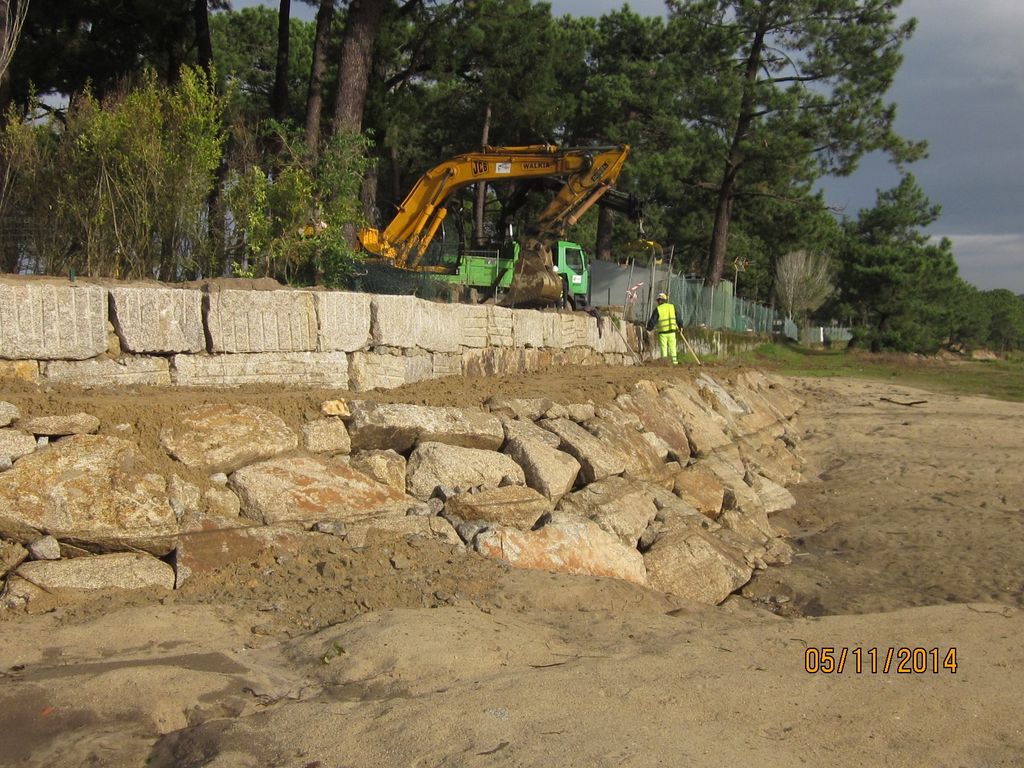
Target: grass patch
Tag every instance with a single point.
(1001, 379)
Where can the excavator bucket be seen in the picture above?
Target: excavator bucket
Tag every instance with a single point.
(534, 281)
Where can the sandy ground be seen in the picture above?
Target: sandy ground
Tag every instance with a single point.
(910, 534)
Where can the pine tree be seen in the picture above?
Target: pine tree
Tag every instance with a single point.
(790, 89)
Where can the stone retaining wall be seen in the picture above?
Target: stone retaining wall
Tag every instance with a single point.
(669, 485)
(227, 334)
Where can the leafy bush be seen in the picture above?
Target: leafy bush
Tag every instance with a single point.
(121, 189)
(295, 222)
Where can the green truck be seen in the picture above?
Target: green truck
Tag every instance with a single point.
(488, 272)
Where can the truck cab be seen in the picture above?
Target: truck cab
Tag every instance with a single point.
(572, 264)
(490, 270)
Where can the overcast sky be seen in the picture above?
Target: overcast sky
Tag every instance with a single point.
(961, 88)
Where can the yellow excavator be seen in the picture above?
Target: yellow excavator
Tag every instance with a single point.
(532, 277)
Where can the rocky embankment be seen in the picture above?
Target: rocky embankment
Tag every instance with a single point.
(668, 486)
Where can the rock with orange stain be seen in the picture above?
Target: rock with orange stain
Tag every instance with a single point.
(88, 488)
(566, 544)
(515, 506)
(701, 489)
(221, 437)
(306, 490)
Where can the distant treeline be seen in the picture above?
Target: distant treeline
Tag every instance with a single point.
(187, 140)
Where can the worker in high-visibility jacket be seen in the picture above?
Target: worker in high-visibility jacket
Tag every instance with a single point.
(664, 320)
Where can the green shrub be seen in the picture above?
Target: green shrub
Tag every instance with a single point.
(121, 189)
(295, 222)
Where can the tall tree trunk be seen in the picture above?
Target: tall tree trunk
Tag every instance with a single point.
(361, 25)
(723, 216)
(481, 188)
(204, 45)
(368, 191)
(396, 176)
(605, 230)
(215, 222)
(733, 163)
(315, 93)
(279, 99)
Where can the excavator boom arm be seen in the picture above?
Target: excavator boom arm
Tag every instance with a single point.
(588, 173)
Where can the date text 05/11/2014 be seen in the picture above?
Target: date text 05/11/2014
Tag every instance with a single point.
(827, 660)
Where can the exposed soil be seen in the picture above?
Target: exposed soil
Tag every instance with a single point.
(910, 533)
(147, 409)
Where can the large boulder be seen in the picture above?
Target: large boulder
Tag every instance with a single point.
(752, 396)
(614, 428)
(578, 412)
(762, 412)
(8, 413)
(738, 493)
(771, 457)
(92, 489)
(221, 437)
(526, 429)
(719, 398)
(514, 506)
(527, 408)
(437, 464)
(597, 459)
(58, 426)
(746, 412)
(222, 508)
(774, 390)
(14, 443)
(705, 429)
(690, 561)
(362, 533)
(700, 488)
(566, 544)
(774, 497)
(307, 490)
(658, 416)
(621, 507)
(400, 426)
(385, 466)
(326, 435)
(121, 570)
(752, 524)
(548, 470)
